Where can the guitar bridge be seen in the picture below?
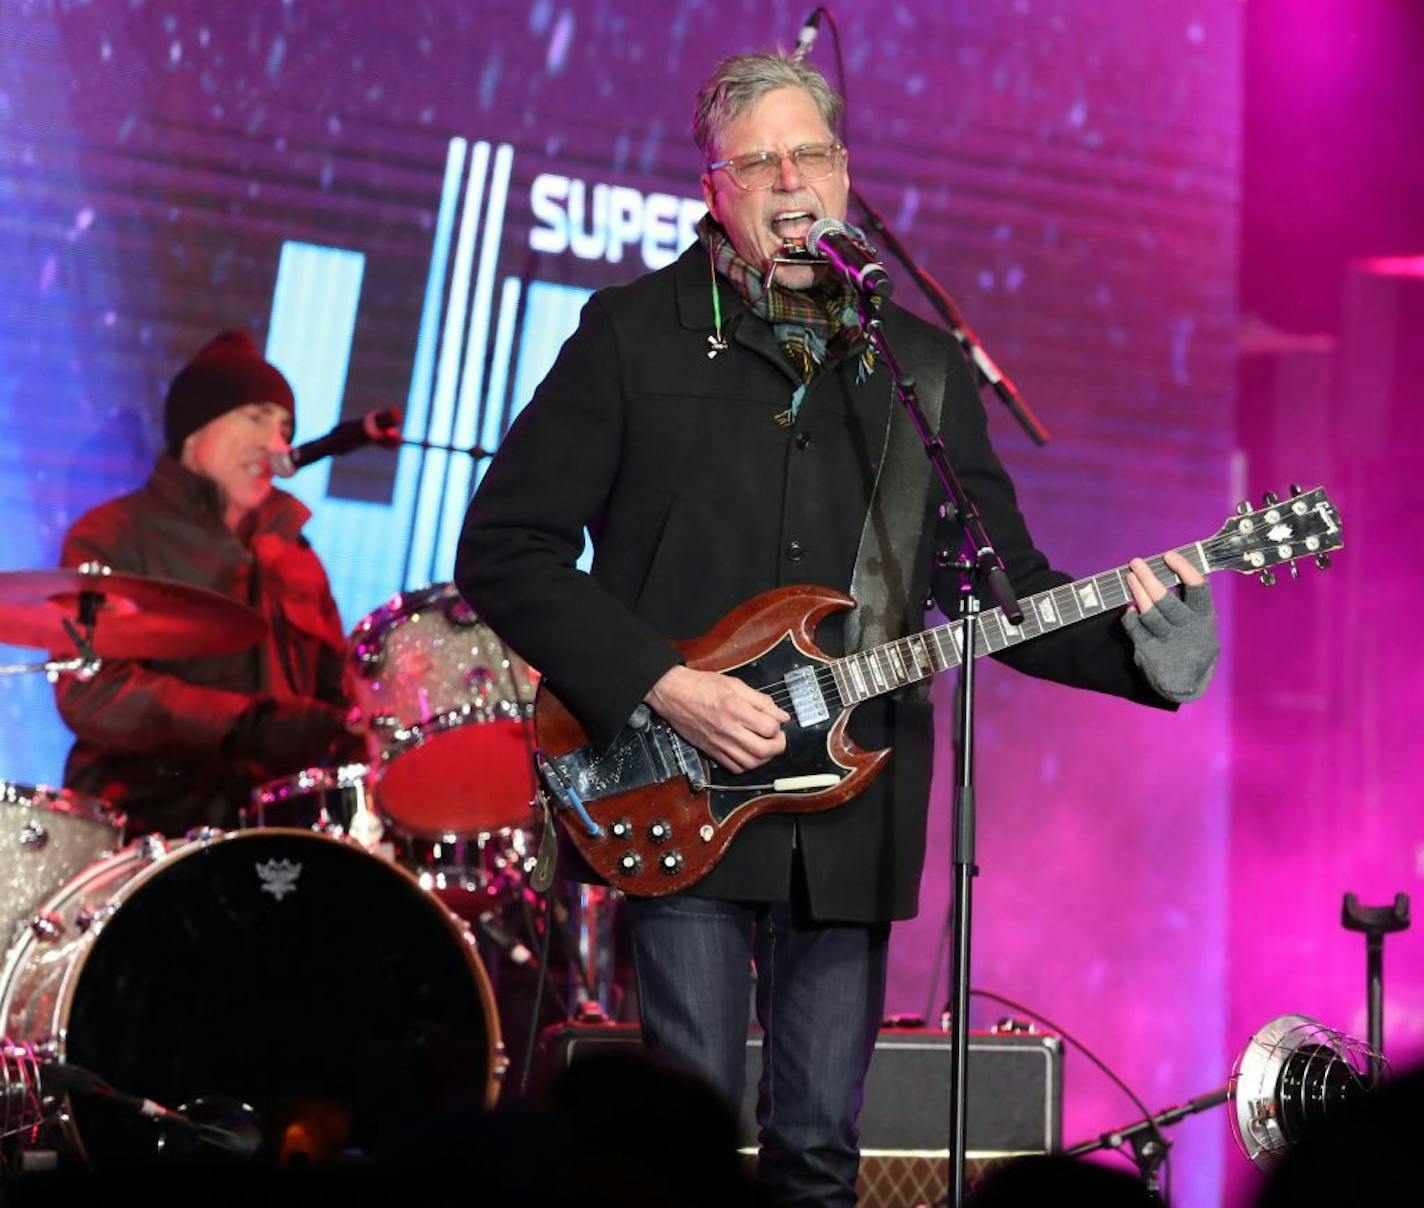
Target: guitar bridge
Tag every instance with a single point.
(808, 702)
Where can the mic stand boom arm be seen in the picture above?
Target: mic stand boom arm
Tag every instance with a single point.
(986, 371)
(1149, 1145)
(981, 564)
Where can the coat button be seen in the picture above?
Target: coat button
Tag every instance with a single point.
(803, 439)
(794, 551)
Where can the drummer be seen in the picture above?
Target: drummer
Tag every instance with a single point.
(179, 743)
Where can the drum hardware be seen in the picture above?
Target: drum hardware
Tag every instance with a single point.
(46, 927)
(22, 1110)
(93, 916)
(32, 834)
(150, 847)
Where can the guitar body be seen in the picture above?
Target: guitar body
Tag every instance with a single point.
(662, 830)
(653, 815)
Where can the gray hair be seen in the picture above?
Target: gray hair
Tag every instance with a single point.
(739, 82)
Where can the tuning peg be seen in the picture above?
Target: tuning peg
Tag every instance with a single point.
(1322, 561)
(1243, 507)
(1295, 489)
(1294, 569)
(1268, 578)
(1271, 499)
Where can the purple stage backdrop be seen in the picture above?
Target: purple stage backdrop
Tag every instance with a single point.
(409, 202)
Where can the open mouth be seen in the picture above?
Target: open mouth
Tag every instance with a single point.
(792, 224)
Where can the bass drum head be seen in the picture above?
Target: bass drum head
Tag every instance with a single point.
(295, 973)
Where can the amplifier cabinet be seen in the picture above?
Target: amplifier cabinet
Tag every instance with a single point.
(1015, 1088)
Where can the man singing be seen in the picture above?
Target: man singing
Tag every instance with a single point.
(718, 427)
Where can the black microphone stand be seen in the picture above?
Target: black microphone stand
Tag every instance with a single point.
(478, 452)
(981, 565)
(1145, 1137)
(986, 372)
(1376, 922)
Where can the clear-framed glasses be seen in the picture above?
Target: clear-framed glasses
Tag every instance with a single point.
(759, 169)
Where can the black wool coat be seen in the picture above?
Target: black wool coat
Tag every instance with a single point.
(695, 498)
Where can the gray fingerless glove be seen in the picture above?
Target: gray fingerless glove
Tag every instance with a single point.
(1176, 644)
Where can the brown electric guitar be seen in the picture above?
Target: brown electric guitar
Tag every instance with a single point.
(652, 814)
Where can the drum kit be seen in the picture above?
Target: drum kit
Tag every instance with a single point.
(319, 962)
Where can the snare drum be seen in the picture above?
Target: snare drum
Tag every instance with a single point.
(331, 800)
(288, 970)
(449, 706)
(46, 836)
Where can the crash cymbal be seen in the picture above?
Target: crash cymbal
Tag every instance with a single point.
(136, 617)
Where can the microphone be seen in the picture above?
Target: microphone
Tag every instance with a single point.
(832, 240)
(373, 428)
(57, 1078)
(807, 37)
(240, 1139)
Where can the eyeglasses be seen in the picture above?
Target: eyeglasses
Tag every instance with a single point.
(759, 169)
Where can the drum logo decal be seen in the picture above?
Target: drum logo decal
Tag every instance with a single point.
(278, 877)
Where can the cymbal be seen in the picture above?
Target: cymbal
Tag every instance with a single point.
(138, 617)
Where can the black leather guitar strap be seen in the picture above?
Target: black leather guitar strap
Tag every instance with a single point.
(889, 543)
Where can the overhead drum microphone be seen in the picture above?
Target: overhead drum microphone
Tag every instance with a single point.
(373, 428)
(832, 240)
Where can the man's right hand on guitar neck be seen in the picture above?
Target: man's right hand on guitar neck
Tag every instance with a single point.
(722, 717)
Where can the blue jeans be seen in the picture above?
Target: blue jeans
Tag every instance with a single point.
(820, 993)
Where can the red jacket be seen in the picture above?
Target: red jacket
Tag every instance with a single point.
(149, 734)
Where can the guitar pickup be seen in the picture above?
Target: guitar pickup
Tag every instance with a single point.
(808, 702)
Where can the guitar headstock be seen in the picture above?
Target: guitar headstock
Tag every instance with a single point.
(1306, 525)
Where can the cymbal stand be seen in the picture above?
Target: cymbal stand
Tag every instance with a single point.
(85, 664)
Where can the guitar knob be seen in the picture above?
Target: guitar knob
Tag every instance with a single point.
(621, 828)
(1271, 499)
(630, 863)
(1268, 578)
(1243, 507)
(1322, 561)
(659, 831)
(670, 862)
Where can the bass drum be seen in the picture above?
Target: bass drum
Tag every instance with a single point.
(291, 971)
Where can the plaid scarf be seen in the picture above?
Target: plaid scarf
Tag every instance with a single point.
(815, 327)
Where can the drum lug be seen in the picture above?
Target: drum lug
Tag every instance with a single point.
(32, 834)
(366, 659)
(384, 725)
(46, 927)
(151, 847)
(92, 918)
(203, 834)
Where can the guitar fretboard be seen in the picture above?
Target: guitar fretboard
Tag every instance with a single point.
(907, 660)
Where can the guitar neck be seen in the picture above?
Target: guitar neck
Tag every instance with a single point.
(904, 661)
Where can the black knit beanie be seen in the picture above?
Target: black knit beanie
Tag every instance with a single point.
(228, 372)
